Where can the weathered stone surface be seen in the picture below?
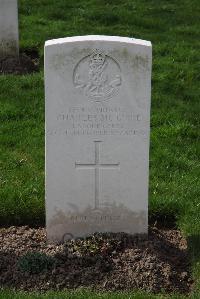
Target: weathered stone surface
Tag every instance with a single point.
(97, 135)
(9, 37)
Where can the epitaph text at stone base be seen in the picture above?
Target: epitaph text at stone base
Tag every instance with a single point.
(98, 91)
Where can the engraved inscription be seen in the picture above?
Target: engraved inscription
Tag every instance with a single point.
(98, 76)
(97, 165)
(99, 121)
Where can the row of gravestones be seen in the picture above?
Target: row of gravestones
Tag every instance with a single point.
(97, 91)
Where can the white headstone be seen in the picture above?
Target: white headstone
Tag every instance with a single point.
(9, 38)
(97, 135)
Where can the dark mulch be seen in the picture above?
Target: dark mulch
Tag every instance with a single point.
(101, 261)
(24, 64)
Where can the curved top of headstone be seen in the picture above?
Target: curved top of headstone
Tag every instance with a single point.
(98, 38)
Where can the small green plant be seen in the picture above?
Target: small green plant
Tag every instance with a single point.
(35, 262)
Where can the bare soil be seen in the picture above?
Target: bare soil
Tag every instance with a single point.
(27, 62)
(159, 262)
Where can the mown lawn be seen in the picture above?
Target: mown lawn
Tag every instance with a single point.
(173, 27)
(84, 294)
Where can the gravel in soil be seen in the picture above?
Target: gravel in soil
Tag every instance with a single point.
(24, 64)
(159, 262)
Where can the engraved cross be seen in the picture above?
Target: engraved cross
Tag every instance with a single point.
(97, 165)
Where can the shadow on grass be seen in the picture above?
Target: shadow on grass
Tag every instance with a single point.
(194, 251)
(193, 242)
(26, 63)
(163, 220)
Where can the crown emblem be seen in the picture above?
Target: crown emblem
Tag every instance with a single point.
(98, 76)
(97, 58)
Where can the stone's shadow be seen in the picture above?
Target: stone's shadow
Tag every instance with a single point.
(163, 220)
(26, 63)
(194, 247)
(165, 261)
(32, 53)
(170, 253)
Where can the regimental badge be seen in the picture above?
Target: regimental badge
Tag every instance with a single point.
(98, 76)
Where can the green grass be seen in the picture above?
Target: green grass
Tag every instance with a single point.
(174, 28)
(86, 294)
